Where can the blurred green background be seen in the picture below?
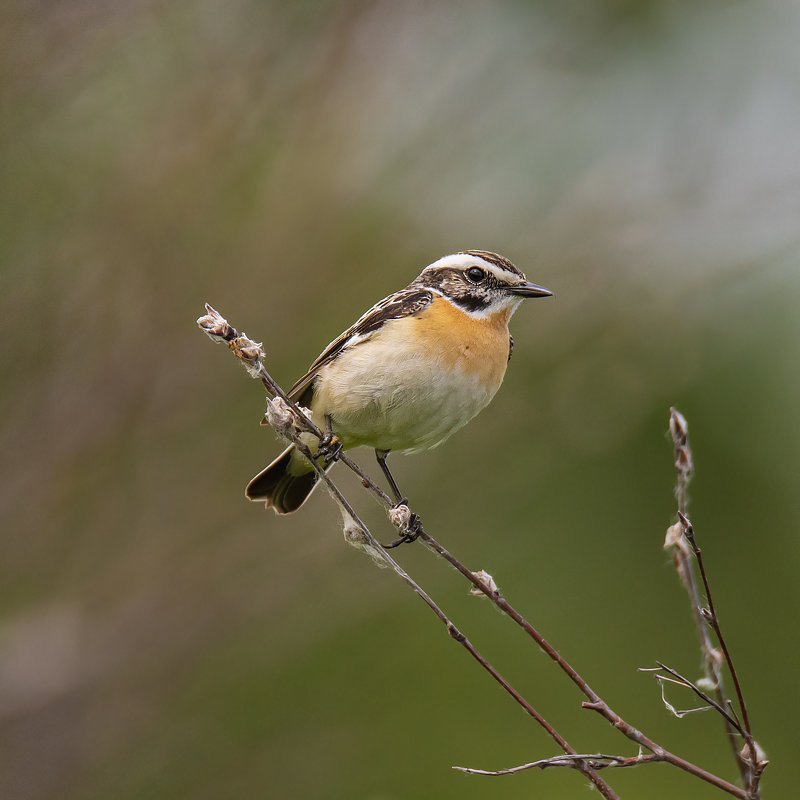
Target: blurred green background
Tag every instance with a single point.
(291, 163)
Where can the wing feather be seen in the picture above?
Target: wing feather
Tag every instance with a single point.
(404, 303)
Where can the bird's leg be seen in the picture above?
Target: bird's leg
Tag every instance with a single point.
(330, 445)
(414, 526)
(398, 498)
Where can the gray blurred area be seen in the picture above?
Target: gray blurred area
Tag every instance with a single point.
(292, 163)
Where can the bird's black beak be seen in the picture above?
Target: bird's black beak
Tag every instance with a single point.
(528, 289)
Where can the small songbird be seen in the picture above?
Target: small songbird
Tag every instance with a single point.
(414, 369)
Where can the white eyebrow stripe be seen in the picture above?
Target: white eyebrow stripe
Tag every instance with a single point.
(465, 260)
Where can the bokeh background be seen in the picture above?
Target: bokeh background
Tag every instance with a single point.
(291, 163)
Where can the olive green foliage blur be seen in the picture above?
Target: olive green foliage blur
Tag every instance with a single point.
(291, 163)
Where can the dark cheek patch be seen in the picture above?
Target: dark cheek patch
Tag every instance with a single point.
(472, 302)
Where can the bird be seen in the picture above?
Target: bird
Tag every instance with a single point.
(411, 371)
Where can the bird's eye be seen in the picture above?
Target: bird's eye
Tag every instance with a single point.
(475, 274)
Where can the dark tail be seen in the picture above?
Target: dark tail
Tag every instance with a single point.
(278, 488)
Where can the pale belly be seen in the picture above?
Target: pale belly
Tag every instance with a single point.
(407, 402)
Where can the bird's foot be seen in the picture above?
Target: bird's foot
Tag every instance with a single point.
(330, 447)
(408, 523)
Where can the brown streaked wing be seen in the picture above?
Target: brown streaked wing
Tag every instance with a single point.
(401, 304)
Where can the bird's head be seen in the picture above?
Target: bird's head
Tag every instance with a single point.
(479, 282)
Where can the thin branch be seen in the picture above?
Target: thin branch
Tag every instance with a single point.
(713, 620)
(596, 703)
(682, 680)
(596, 760)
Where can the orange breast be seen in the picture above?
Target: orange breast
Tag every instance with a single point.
(475, 345)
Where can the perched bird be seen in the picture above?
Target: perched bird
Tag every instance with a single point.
(410, 372)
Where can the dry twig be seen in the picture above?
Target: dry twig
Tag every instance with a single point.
(595, 760)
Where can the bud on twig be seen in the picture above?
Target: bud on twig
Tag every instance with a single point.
(400, 516)
(279, 416)
(679, 431)
(249, 353)
(357, 535)
(215, 326)
(484, 576)
(761, 756)
(678, 427)
(675, 538)
(706, 684)
(283, 418)
(218, 329)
